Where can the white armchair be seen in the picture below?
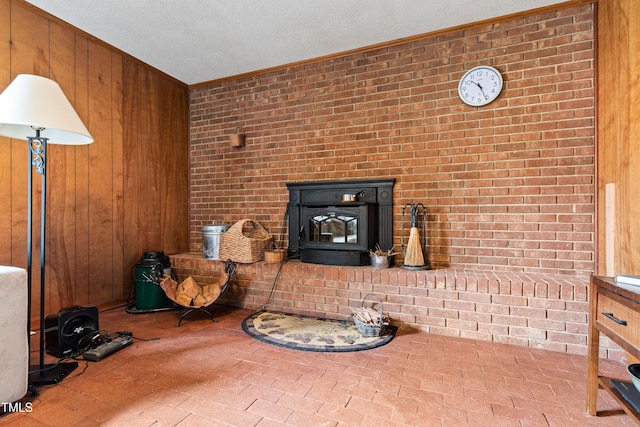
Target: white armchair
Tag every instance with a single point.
(14, 347)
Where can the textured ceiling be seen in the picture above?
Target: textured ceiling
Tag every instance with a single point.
(196, 41)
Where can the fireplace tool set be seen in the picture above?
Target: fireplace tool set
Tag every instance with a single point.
(413, 254)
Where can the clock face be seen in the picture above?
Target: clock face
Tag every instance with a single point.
(480, 86)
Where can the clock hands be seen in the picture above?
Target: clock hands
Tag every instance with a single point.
(481, 89)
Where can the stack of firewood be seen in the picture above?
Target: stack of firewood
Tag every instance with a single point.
(370, 322)
(189, 293)
(380, 252)
(368, 315)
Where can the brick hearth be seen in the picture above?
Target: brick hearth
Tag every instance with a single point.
(532, 310)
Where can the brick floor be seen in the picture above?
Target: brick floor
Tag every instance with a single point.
(213, 374)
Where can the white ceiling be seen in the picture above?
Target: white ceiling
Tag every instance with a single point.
(196, 41)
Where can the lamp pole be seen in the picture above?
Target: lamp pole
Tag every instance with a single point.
(35, 103)
(40, 374)
(37, 160)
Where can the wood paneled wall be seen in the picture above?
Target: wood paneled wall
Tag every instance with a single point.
(107, 202)
(618, 137)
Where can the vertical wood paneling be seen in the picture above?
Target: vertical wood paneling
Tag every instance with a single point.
(618, 142)
(29, 55)
(82, 175)
(622, 124)
(149, 148)
(634, 135)
(137, 140)
(93, 239)
(117, 263)
(172, 132)
(155, 140)
(6, 184)
(100, 175)
(60, 184)
(131, 199)
(608, 89)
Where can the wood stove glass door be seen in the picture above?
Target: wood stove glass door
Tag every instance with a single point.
(335, 228)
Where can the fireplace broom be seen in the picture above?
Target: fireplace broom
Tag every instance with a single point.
(413, 256)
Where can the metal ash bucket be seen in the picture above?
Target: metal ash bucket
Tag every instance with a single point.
(211, 239)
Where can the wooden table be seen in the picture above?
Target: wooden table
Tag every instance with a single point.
(614, 310)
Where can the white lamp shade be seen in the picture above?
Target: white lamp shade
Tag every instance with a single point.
(32, 102)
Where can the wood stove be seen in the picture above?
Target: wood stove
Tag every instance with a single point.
(324, 228)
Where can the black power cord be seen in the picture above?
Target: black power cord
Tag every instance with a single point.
(275, 280)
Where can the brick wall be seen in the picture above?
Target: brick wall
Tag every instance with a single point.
(509, 186)
(532, 310)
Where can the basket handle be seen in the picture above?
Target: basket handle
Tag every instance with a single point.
(274, 246)
(239, 226)
(380, 306)
(258, 226)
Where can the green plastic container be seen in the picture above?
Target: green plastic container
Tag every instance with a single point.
(149, 272)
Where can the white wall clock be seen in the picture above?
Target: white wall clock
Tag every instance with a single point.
(480, 85)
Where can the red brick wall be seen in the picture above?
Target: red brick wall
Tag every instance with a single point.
(533, 310)
(509, 186)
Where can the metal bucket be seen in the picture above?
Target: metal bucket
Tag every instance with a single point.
(149, 272)
(380, 261)
(211, 239)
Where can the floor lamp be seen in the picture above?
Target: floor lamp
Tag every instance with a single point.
(37, 104)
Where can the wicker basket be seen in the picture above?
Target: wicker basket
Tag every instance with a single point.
(274, 256)
(245, 242)
(372, 329)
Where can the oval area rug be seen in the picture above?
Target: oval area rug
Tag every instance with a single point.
(308, 333)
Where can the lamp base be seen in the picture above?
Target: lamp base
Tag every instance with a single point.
(50, 374)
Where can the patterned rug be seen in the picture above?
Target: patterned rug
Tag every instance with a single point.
(311, 333)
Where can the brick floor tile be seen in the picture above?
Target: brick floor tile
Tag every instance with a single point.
(270, 410)
(305, 419)
(213, 374)
(331, 397)
(299, 403)
(343, 416)
(379, 410)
